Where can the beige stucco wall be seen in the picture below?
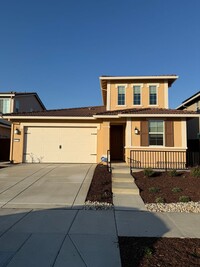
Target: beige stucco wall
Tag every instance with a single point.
(162, 95)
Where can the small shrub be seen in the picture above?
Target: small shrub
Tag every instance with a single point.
(184, 199)
(154, 190)
(176, 189)
(149, 172)
(148, 252)
(196, 171)
(160, 200)
(173, 173)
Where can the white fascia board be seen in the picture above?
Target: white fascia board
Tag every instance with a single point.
(189, 100)
(6, 95)
(106, 116)
(159, 115)
(47, 118)
(138, 77)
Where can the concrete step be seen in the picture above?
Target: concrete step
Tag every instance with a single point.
(122, 175)
(123, 180)
(125, 191)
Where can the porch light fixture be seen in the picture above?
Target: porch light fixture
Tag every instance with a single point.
(136, 131)
(17, 131)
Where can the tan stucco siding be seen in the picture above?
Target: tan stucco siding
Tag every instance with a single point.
(162, 89)
(103, 140)
(17, 140)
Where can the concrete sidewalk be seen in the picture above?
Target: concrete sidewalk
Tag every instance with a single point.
(81, 237)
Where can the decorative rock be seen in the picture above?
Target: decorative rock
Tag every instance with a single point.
(189, 207)
(95, 205)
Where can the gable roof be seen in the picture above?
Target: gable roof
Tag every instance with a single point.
(189, 101)
(12, 93)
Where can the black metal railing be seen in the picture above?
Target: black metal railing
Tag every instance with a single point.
(193, 158)
(109, 161)
(141, 159)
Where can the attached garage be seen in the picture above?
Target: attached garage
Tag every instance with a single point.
(60, 144)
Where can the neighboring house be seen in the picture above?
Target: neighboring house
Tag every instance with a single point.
(134, 117)
(14, 102)
(193, 126)
(20, 102)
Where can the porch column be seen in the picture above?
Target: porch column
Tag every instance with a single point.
(128, 142)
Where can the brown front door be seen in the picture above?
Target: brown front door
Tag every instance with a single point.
(117, 142)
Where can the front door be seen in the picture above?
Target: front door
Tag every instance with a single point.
(117, 142)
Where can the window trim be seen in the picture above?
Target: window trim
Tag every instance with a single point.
(141, 87)
(163, 133)
(157, 86)
(117, 87)
(9, 104)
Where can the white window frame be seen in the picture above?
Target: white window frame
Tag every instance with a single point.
(141, 87)
(163, 133)
(156, 85)
(117, 87)
(9, 105)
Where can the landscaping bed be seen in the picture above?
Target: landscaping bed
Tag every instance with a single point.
(100, 191)
(164, 187)
(165, 252)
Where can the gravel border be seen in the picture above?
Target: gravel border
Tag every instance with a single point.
(189, 207)
(95, 205)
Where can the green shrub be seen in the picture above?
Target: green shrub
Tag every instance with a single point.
(154, 190)
(160, 200)
(176, 189)
(196, 171)
(149, 172)
(184, 199)
(147, 252)
(173, 173)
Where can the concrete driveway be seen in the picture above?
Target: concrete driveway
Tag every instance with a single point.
(45, 185)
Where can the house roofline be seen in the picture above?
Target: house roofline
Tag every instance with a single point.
(47, 118)
(147, 115)
(188, 100)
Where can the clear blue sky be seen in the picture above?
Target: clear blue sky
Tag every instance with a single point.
(59, 48)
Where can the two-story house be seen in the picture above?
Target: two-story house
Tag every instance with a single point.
(193, 126)
(15, 102)
(134, 117)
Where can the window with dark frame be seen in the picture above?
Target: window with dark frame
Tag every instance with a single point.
(121, 95)
(136, 95)
(156, 133)
(152, 95)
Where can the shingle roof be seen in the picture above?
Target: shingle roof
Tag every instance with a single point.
(69, 112)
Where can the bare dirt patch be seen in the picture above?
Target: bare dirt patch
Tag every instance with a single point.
(167, 187)
(165, 252)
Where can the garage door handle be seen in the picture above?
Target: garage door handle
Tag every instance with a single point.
(60, 146)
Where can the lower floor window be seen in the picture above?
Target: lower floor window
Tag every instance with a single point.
(156, 133)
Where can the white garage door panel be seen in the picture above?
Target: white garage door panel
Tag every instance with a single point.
(46, 144)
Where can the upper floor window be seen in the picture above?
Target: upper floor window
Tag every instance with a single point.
(121, 95)
(156, 133)
(4, 105)
(152, 95)
(136, 95)
(17, 106)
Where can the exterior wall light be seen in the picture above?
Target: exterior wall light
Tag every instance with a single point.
(17, 131)
(136, 131)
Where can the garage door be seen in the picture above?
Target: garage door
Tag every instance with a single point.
(67, 144)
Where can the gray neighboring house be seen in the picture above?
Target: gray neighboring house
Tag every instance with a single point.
(15, 102)
(193, 125)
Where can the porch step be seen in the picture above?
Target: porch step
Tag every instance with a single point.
(125, 191)
(126, 194)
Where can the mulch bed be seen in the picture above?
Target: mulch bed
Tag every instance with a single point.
(162, 181)
(101, 186)
(165, 252)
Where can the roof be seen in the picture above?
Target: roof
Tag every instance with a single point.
(69, 112)
(105, 79)
(100, 112)
(190, 100)
(12, 93)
